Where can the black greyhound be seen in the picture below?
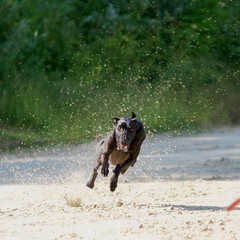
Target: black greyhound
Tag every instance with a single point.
(121, 147)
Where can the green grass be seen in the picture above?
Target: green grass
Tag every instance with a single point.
(12, 138)
(82, 113)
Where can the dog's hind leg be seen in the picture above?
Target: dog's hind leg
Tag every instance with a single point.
(126, 168)
(90, 183)
(120, 168)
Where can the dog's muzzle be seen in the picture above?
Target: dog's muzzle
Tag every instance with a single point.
(122, 147)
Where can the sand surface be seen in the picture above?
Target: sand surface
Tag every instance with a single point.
(178, 189)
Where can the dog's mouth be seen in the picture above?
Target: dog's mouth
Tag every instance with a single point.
(122, 147)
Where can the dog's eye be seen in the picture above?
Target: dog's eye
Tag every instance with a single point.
(119, 129)
(131, 129)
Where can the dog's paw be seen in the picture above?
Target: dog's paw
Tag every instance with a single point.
(105, 170)
(113, 183)
(90, 184)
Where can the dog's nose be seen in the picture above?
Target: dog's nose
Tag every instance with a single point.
(124, 144)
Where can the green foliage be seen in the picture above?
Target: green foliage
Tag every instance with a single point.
(67, 66)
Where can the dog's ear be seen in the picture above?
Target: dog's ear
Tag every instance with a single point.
(134, 117)
(115, 120)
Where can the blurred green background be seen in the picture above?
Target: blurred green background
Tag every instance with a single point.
(67, 66)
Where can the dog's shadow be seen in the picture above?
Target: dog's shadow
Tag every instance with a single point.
(198, 208)
(192, 208)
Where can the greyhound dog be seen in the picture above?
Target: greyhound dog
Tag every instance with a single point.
(121, 147)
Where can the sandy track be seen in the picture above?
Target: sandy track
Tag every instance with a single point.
(155, 210)
(178, 189)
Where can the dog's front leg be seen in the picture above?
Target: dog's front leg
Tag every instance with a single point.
(117, 171)
(105, 164)
(108, 148)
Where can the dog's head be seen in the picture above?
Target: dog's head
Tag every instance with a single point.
(125, 129)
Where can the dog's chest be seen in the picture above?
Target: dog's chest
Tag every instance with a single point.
(117, 157)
